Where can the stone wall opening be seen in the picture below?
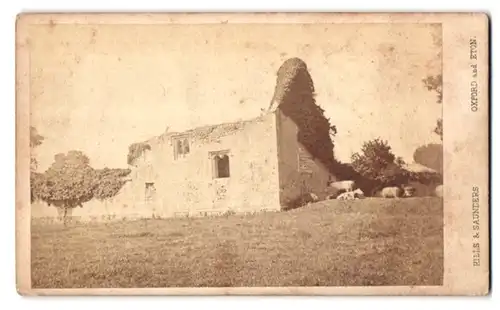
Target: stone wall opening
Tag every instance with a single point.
(150, 192)
(220, 164)
(181, 147)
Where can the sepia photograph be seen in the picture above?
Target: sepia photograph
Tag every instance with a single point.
(236, 154)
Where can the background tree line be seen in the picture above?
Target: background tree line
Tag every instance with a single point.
(70, 181)
(375, 166)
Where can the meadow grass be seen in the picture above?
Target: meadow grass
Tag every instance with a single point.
(330, 243)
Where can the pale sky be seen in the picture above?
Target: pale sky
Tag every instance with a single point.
(99, 88)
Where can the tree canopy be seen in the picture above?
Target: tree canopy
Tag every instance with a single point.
(430, 155)
(377, 167)
(35, 178)
(435, 83)
(70, 181)
(375, 157)
(35, 140)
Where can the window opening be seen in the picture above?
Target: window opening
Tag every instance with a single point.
(220, 163)
(150, 191)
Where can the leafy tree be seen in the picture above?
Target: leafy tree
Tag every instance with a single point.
(399, 161)
(36, 185)
(35, 140)
(375, 156)
(435, 83)
(35, 178)
(70, 181)
(430, 155)
(378, 165)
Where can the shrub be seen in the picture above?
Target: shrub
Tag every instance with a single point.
(109, 182)
(71, 181)
(376, 167)
(376, 161)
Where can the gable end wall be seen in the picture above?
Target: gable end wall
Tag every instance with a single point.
(299, 172)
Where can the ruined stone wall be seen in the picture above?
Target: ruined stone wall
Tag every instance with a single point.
(186, 185)
(300, 172)
(294, 95)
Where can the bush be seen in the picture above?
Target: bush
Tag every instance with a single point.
(36, 186)
(71, 181)
(377, 167)
(426, 177)
(376, 161)
(109, 182)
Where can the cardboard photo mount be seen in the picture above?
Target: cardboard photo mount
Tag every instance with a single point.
(465, 62)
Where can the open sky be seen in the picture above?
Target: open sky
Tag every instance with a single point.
(99, 88)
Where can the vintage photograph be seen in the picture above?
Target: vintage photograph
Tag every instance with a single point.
(252, 154)
(236, 155)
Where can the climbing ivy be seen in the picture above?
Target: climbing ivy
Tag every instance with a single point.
(136, 150)
(294, 95)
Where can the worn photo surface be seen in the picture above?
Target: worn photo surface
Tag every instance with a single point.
(219, 155)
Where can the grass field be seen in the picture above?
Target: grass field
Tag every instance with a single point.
(330, 243)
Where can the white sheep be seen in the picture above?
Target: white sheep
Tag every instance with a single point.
(347, 185)
(356, 194)
(391, 192)
(439, 191)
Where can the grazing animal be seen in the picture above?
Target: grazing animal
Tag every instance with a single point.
(392, 192)
(439, 191)
(332, 191)
(356, 194)
(346, 196)
(347, 186)
(409, 191)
